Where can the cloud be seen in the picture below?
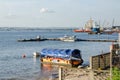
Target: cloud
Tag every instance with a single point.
(45, 10)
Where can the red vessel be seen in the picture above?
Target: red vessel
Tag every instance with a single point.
(78, 30)
(87, 27)
(82, 30)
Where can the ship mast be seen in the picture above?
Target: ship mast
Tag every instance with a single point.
(113, 22)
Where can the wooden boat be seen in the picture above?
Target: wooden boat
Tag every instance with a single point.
(62, 56)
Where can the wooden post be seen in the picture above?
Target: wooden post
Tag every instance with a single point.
(60, 73)
(91, 63)
(111, 51)
(111, 65)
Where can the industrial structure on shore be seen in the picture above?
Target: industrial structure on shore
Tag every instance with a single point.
(92, 27)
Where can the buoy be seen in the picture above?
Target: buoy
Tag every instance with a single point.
(23, 56)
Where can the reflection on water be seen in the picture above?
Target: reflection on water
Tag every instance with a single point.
(47, 70)
(46, 67)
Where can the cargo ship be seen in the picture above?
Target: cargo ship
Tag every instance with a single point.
(70, 57)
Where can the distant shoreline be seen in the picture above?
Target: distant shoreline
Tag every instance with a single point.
(36, 28)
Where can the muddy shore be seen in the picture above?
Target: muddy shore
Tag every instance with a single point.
(81, 74)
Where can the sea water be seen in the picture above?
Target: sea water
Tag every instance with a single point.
(14, 67)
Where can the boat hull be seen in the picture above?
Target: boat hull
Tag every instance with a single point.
(61, 61)
(78, 30)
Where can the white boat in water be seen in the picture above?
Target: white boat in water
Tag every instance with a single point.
(67, 38)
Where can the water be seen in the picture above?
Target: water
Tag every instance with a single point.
(14, 67)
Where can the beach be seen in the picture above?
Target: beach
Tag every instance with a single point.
(85, 74)
(82, 74)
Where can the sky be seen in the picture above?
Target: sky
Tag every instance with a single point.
(58, 13)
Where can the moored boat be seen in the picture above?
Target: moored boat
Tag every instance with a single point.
(62, 56)
(36, 54)
(67, 38)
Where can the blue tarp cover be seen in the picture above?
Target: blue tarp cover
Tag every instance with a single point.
(63, 53)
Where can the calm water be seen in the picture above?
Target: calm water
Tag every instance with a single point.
(14, 67)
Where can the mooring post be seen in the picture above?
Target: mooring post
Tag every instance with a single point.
(60, 73)
(111, 51)
(91, 63)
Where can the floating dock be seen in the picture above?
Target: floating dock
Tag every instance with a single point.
(57, 39)
(97, 40)
(27, 40)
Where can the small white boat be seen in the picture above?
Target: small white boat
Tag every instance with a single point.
(67, 38)
(36, 54)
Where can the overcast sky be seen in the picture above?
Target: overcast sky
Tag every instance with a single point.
(58, 13)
